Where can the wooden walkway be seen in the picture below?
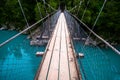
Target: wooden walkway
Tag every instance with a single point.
(59, 62)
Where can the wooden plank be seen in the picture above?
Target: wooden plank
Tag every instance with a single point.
(45, 65)
(59, 62)
(54, 67)
(64, 68)
(72, 65)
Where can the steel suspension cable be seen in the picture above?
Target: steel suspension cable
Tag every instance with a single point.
(97, 18)
(99, 13)
(75, 6)
(87, 40)
(5, 42)
(40, 15)
(45, 6)
(113, 48)
(48, 18)
(50, 6)
(39, 9)
(79, 7)
(23, 13)
(85, 10)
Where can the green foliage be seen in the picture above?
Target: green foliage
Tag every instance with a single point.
(53, 3)
(108, 24)
(87, 17)
(39, 11)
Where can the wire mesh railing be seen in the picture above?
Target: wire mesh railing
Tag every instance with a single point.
(18, 60)
(99, 63)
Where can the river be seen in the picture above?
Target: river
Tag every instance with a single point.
(19, 62)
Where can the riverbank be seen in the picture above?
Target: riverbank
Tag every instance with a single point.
(34, 36)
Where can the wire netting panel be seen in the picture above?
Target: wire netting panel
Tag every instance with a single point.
(98, 63)
(49, 24)
(75, 28)
(18, 59)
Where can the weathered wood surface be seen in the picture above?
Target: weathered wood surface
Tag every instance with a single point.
(59, 61)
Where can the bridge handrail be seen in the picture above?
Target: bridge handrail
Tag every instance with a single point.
(40, 66)
(37, 74)
(25, 29)
(75, 55)
(108, 44)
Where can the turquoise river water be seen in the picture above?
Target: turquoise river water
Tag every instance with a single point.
(19, 62)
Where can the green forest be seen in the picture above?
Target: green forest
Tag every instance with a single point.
(108, 25)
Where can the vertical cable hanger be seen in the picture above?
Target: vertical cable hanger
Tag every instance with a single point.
(39, 9)
(97, 17)
(48, 18)
(85, 10)
(79, 7)
(95, 22)
(45, 6)
(40, 14)
(82, 19)
(24, 15)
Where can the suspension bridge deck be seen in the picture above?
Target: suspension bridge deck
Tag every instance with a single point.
(59, 60)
